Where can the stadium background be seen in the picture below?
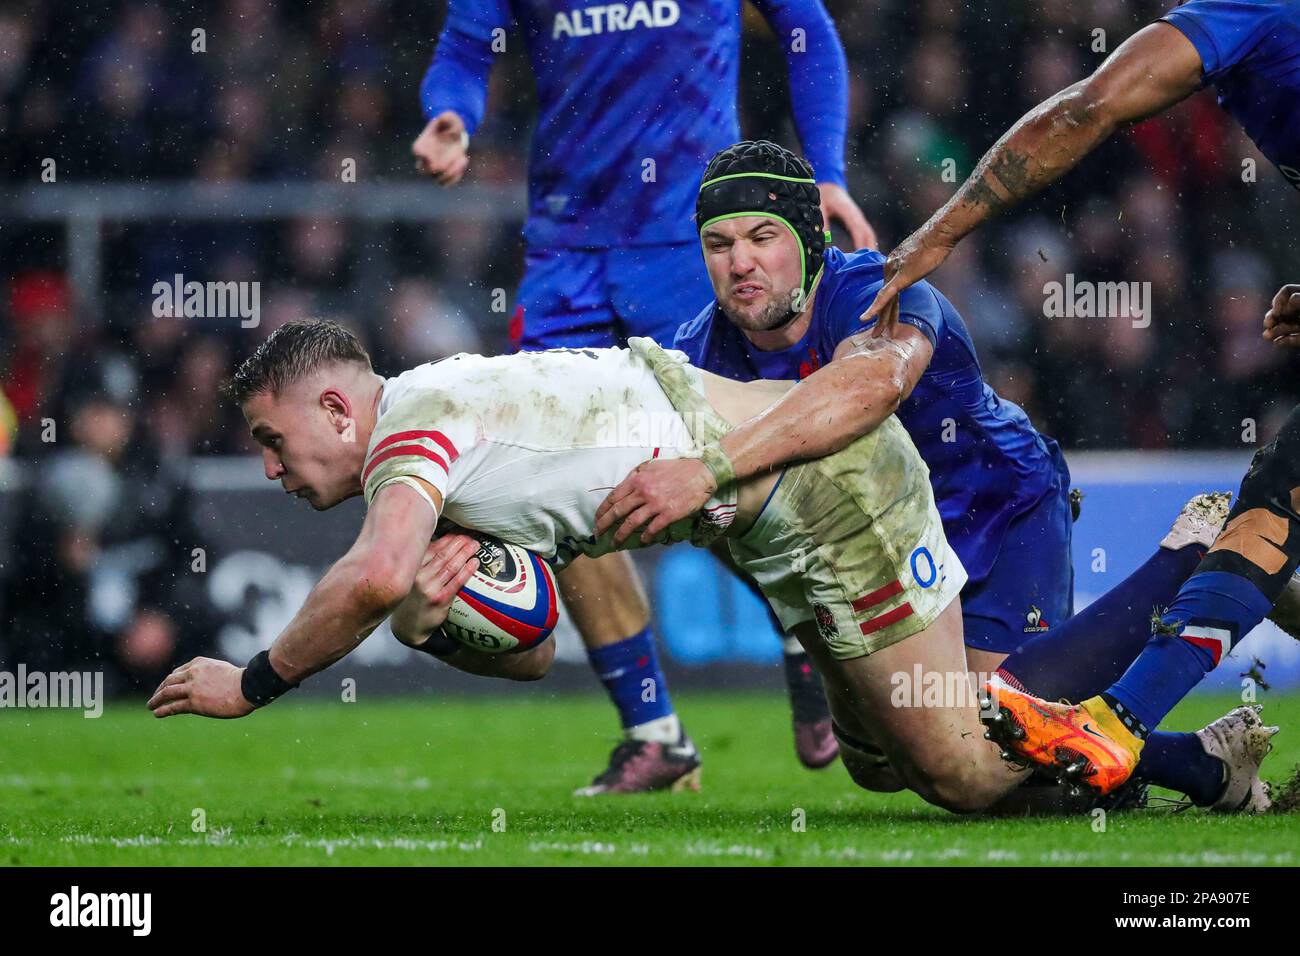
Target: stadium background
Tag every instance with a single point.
(225, 166)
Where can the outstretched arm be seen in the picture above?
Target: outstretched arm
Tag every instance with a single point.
(363, 587)
(848, 398)
(1152, 70)
(355, 595)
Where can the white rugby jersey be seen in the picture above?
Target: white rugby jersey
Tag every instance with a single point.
(526, 446)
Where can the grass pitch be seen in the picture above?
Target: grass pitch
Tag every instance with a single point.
(421, 782)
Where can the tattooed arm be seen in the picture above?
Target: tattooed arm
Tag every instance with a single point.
(1151, 71)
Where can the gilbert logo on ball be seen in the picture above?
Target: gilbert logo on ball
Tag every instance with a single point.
(509, 604)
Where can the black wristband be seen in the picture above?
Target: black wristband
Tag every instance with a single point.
(261, 684)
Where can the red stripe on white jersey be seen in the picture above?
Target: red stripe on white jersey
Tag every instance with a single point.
(397, 451)
(438, 437)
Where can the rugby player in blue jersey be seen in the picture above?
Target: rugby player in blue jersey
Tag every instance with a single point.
(788, 308)
(633, 98)
(1248, 51)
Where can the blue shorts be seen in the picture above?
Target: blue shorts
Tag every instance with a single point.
(1030, 588)
(598, 298)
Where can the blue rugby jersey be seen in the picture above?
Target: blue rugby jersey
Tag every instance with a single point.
(987, 463)
(1250, 54)
(634, 99)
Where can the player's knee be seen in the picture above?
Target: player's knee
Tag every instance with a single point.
(966, 794)
(958, 786)
(874, 777)
(958, 799)
(869, 768)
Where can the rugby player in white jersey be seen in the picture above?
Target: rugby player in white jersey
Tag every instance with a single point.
(525, 447)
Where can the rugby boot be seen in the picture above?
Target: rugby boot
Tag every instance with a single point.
(814, 743)
(1241, 741)
(641, 766)
(1085, 746)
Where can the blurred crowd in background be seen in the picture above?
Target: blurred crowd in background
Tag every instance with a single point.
(285, 91)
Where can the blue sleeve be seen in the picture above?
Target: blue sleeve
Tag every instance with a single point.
(819, 81)
(917, 306)
(457, 78)
(1224, 32)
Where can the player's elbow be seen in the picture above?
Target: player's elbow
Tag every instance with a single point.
(1093, 104)
(1085, 108)
(876, 397)
(380, 583)
(958, 787)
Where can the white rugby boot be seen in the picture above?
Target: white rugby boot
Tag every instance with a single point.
(1241, 741)
(1200, 521)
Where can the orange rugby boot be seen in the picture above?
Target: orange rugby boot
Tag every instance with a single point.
(1084, 745)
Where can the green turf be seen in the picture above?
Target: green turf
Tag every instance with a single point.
(417, 782)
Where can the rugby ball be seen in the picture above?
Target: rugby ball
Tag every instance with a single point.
(509, 604)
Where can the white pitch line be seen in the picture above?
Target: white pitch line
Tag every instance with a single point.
(224, 837)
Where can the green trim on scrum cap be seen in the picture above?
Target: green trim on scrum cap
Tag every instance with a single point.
(803, 252)
(817, 278)
(784, 179)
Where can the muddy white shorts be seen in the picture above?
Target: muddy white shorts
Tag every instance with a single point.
(854, 543)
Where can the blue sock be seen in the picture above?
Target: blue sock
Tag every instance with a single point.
(630, 672)
(1211, 613)
(1090, 651)
(1179, 762)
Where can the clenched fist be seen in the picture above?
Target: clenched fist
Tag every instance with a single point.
(442, 150)
(1282, 321)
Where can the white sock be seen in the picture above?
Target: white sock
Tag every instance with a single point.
(664, 730)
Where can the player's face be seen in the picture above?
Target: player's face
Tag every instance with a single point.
(302, 449)
(753, 262)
